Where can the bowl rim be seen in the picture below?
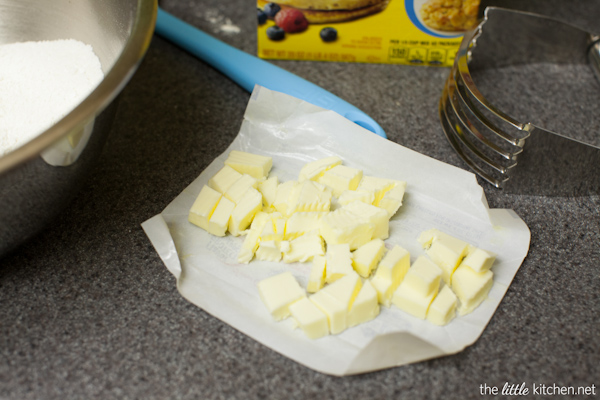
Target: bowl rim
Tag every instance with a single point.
(114, 81)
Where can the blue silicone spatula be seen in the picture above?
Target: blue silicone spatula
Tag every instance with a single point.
(247, 70)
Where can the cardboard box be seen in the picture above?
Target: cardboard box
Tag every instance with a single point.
(413, 32)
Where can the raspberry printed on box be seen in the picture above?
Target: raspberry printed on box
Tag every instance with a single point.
(291, 20)
(411, 32)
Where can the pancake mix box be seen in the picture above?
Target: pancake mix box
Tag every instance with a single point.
(414, 32)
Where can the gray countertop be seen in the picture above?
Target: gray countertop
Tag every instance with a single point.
(88, 310)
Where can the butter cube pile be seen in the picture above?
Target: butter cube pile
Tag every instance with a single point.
(352, 272)
(465, 273)
(293, 221)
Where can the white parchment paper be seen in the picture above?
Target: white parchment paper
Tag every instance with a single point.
(294, 132)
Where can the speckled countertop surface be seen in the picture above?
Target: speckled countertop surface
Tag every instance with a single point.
(89, 311)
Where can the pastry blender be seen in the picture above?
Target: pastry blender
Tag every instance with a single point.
(519, 156)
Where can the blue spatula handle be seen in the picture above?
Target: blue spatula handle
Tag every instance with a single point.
(248, 71)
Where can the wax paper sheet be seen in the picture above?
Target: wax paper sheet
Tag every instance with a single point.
(294, 132)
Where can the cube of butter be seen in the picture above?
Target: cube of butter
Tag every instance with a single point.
(471, 287)
(223, 179)
(443, 308)
(479, 260)
(279, 224)
(339, 262)
(219, 220)
(343, 226)
(371, 214)
(254, 165)
(335, 310)
(445, 250)
(345, 289)
(313, 170)
(250, 243)
(367, 257)
(384, 290)
(394, 265)
(308, 196)
(203, 207)
(268, 250)
(377, 186)
(418, 288)
(304, 248)
(274, 228)
(301, 222)
(340, 178)
(249, 247)
(412, 300)
(365, 306)
(284, 246)
(316, 279)
(244, 211)
(424, 276)
(236, 191)
(268, 231)
(284, 190)
(278, 292)
(392, 199)
(268, 189)
(389, 274)
(348, 196)
(426, 237)
(310, 318)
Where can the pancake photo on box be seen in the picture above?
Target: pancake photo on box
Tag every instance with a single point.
(329, 11)
(450, 15)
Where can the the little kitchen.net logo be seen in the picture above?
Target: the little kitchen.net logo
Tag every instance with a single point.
(536, 389)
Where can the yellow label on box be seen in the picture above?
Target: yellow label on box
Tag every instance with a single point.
(413, 32)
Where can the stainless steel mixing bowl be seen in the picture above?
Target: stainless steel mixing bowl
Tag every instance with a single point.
(38, 179)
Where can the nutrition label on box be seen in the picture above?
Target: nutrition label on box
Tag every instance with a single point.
(424, 52)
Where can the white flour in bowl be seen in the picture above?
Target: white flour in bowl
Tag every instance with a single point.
(41, 82)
